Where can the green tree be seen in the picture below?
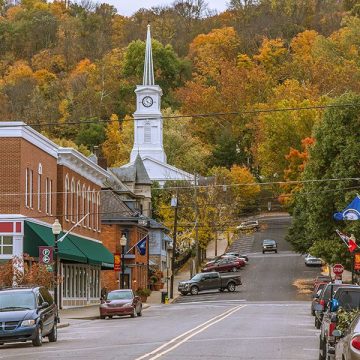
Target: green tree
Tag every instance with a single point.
(335, 155)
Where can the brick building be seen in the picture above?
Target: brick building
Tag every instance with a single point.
(124, 206)
(40, 182)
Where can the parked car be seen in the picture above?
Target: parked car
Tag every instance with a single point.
(209, 281)
(347, 297)
(312, 260)
(316, 295)
(327, 293)
(269, 245)
(120, 302)
(225, 256)
(322, 278)
(27, 314)
(243, 256)
(348, 342)
(249, 225)
(226, 264)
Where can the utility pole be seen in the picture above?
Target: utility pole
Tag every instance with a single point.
(174, 203)
(197, 248)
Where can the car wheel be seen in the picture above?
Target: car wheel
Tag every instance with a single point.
(194, 290)
(184, 293)
(317, 323)
(312, 312)
(263, 252)
(231, 287)
(134, 314)
(234, 269)
(110, 316)
(102, 316)
(221, 290)
(53, 334)
(275, 251)
(140, 312)
(321, 350)
(38, 337)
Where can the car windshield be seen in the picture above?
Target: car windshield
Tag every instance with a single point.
(269, 241)
(120, 295)
(329, 291)
(17, 300)
(349, 300)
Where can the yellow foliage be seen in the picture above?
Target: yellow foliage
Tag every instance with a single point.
(13, 11)
(271, 53)
(44, 77)
(18, 71)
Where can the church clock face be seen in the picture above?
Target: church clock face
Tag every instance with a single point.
(147, 101)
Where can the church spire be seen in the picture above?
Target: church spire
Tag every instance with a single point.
(148, 78)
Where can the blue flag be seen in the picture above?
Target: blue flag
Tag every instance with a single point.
(351, 212)
(141, 246)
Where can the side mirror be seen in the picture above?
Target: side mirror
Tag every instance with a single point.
(44, 305)
(337, 333)
(334, 305)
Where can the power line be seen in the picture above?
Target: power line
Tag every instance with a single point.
(292, 182)
(193, 116)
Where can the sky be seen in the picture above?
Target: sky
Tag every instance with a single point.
(129, 7)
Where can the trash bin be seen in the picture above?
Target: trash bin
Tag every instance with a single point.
(164, 297)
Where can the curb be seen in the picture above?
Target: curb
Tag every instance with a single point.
(63, 325)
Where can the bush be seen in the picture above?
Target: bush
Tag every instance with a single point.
(345, 318)
(143, 292)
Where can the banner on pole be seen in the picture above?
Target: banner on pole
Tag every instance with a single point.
(117, 262)
(357, 262)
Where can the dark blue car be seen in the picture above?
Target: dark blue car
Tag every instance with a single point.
(27, 314)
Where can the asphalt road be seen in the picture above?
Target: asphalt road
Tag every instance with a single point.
(261, 321)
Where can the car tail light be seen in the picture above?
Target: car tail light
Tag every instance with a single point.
(355, 342)
(331, 328)
(322, 303)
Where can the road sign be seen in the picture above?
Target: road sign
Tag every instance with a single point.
(338, 269)
(46, 255)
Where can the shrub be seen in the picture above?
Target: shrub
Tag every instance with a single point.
(143, 292)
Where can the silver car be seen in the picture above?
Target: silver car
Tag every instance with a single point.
(348, 344)
(313, 261)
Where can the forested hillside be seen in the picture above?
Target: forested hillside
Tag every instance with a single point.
(69, 68)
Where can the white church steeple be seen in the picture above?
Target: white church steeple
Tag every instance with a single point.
(148, 122)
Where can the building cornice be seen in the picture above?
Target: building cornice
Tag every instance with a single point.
(19, 129)
(79, 163)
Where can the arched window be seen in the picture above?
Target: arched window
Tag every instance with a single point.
(88, 207)
(83, 207)
(40, 171)
(93, 211)
(78, 201)
(147, 133)
(72, 201)
(66, 198)
(98, 212)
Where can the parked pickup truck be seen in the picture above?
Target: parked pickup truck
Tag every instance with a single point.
(209, 281)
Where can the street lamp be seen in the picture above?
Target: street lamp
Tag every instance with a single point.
(174, 204)
(123, 242)
(56, 230)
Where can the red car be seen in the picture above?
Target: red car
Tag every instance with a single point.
(120, 302)
(226, 264)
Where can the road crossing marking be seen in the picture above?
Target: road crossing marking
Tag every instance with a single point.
(189, 334)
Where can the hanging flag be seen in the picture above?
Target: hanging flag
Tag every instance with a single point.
(141, 245)
(351, 212)
(349, 241)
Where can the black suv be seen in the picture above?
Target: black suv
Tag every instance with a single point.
(27, 314)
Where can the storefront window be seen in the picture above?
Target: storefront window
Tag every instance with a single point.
(6, 245)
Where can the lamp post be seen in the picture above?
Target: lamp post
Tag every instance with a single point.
(56, 230)
(174, 204)
(123, 242)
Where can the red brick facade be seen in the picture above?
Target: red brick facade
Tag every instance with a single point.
(136, 264)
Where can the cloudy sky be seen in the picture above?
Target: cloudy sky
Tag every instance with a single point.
(128, 7)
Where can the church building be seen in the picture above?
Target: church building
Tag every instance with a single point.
(148, 127)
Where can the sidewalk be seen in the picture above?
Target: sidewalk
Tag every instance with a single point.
(77, 315)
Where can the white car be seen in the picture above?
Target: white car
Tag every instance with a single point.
(249, 225)
(313, 260)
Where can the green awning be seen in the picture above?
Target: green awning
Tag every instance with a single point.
(96, 252)
(36, 235)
